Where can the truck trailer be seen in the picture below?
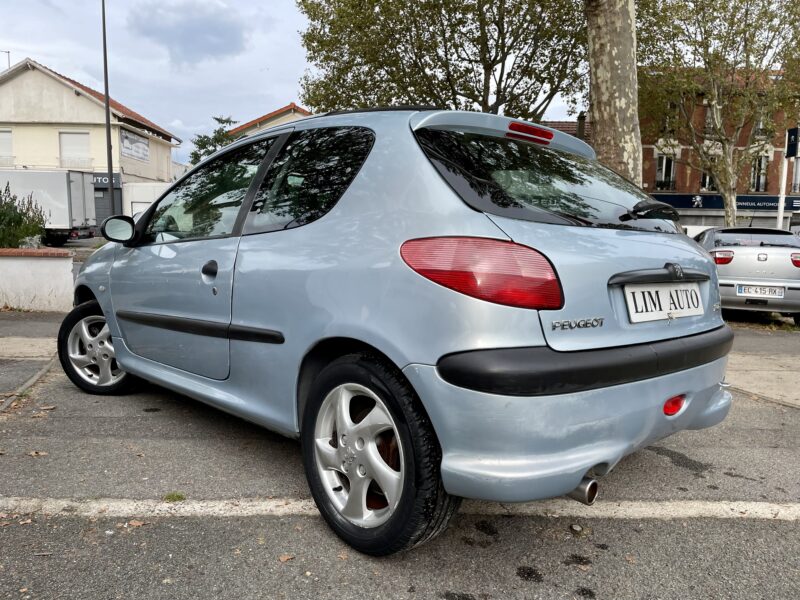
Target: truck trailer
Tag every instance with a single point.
(67, 198)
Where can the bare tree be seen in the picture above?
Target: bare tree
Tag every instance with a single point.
(613, 102)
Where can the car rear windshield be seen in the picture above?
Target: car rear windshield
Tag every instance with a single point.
(756, 237)
(522, 180)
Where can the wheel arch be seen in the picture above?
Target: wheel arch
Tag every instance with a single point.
(83, 293)
(323, 353)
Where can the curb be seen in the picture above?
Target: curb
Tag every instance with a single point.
(766, 398)
(28, 384)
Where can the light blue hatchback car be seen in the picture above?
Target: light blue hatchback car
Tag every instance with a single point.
(439, 304)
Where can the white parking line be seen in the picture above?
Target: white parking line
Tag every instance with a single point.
(280, 507)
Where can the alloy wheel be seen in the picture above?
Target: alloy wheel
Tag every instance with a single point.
(358, 455)
(91, 352)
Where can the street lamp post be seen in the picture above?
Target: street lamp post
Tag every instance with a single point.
(115, 209)
(8, 56)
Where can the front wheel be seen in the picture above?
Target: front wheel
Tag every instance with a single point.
(372, 458)
(86, 352)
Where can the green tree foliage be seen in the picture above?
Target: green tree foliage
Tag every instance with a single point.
(498, 56)
(206, 145)
(19, 218)
(715, 75)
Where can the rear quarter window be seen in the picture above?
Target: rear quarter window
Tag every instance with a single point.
(308, 177)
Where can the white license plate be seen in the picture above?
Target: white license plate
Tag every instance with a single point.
(759, 291)
(661, 301)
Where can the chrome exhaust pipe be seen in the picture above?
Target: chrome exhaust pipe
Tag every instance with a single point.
(586, 492)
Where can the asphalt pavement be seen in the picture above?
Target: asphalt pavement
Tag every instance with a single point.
(99, 455)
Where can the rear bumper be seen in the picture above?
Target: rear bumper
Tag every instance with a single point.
(519, 448)
(789, 303)
(542, 371)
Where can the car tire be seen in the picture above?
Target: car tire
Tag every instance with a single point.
(796, 317)
(392, 444)
(86, 352)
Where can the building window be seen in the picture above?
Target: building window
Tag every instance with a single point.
(758, 174)
(759, 130)
(74, 150)
(707, 183)
(796, 176)
(6, 151)
(708, 123)
(665, 172)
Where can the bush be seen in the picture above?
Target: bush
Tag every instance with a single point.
(19, 219)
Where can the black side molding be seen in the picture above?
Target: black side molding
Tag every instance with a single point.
(669, 273)
(199, 327)
(542, 371)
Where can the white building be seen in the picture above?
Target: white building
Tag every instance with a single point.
(51, 122)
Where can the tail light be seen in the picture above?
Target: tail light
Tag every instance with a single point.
(722, 257)
(796, 259)
(492, 270)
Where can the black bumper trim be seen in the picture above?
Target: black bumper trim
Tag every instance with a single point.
(542, 371)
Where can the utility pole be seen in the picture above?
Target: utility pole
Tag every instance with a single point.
(114, 208)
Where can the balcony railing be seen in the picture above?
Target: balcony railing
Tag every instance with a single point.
(75, 163)
(6, 161)
(665, 185)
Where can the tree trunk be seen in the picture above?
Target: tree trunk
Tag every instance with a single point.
(614, 104)
(728, 193)
(728, 178)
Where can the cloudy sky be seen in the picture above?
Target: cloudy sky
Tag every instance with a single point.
(177, 62)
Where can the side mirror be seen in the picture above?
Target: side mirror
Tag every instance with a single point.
(119, 228)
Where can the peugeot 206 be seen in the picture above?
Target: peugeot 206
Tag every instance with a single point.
(438, 304)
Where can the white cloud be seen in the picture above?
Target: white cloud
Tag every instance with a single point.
(190, 30)
(235, 59)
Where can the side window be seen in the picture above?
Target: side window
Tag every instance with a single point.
(308, 176)
(207, 202)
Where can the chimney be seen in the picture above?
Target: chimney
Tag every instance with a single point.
(581, 132)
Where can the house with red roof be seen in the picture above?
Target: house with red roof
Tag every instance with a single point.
(49, 121)
(285, 114)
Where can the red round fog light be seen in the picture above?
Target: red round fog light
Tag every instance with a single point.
(674, 405)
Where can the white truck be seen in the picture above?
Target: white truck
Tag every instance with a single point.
(67, 198)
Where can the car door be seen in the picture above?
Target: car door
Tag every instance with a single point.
(171, 291)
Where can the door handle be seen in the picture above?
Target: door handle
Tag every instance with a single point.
(210, 269)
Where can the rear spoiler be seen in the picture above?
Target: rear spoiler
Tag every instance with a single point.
(498, 126)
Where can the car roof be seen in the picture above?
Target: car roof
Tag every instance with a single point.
(455, 120)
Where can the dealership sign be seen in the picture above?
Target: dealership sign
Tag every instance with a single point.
(134, 145)
(744, 202)
(100, 181)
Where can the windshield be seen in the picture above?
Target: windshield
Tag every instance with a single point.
(521, 180)
(756, 237)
